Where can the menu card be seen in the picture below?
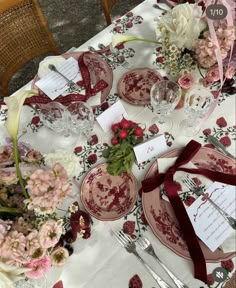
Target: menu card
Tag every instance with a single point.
(54, 84)
(210, 226)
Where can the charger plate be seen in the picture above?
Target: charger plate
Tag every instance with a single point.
(161, 217)
(108, 197)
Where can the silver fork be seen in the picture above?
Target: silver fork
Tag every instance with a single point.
(130, 247)
(72, 85)
(146, 246)
(199, 192)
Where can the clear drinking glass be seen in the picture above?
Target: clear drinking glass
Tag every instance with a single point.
(164, 96)
(198, 101)
(74, 119)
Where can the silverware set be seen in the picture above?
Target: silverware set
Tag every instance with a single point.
(198, 190)
(146, 246)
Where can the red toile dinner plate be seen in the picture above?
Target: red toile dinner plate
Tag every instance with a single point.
(160, 215)
(108, 197)
(98, 68)
(134, 86)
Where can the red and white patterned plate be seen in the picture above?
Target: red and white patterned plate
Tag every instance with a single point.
(98, 68)
(160, 215)
(108, 197)
(135, 85)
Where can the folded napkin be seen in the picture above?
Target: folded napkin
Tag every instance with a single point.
(229, 245)
(43, 65)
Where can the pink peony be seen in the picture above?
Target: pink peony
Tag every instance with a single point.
(50, 233)
(186, 81)
(59, 256)
(39, 267)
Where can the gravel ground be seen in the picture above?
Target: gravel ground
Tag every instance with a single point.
(72, 22)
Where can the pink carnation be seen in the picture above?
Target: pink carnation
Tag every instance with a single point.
(39, 267)
(186, 81)
(50, 233)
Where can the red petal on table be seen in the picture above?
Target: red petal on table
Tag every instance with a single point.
(135, 282)
(59, 284)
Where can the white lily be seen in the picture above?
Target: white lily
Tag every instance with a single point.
(10, 274)
(122, 38)
(14, 105)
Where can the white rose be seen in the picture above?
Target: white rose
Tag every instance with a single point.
(182, 25)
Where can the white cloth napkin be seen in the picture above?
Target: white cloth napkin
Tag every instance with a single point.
(43, 65)
(229, 245)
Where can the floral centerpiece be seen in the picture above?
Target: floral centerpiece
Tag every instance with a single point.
(36, 230)
(187, 41)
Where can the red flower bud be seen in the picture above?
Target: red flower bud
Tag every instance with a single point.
(138, 131)
(115, 127)
(114, 141)
(122, 134)
(125, 124)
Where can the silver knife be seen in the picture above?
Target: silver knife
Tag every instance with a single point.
(219, 146)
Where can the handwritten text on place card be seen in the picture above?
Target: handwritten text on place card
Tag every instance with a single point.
(150, 149)
(111, 115)
(53, 84)
(208, 224)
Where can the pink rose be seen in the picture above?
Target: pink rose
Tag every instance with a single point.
(213, 74)
(186, 81)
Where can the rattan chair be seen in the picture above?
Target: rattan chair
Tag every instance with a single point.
(107, 6)
(24, 35)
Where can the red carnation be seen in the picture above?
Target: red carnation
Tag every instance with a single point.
(114, 141)
(92, 159)
(221, 122)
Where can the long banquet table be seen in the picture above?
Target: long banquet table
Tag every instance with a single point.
(100, 261)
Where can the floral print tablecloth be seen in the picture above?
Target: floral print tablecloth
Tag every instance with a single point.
(100, 261)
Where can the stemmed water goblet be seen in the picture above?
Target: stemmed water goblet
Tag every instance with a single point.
(198, 101)
(164, 96)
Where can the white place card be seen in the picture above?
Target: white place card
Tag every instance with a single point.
(151, 148)
(208, 223)
(112, 115)
(53, 84)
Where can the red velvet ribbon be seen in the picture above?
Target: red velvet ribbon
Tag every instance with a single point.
(186, 227)
(65, 100)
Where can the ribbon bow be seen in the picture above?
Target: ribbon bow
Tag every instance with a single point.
(171, 189)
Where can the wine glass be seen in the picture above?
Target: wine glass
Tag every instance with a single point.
(164, 96)
(198, 101)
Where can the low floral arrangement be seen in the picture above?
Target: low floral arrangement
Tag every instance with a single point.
(120, 156)
(186, 42)
(36, 231)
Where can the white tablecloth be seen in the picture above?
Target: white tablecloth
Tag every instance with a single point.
(100, 261)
